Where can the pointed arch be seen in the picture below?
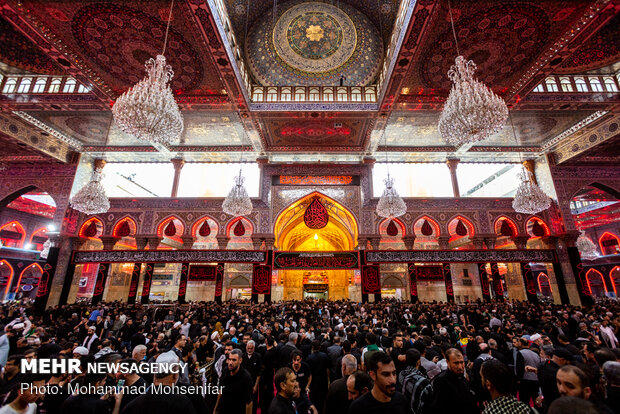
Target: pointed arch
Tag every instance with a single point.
(607, 241)
(530, 223)
(21, 275)
(614, 276)
(7, 265)
(417, 226)
(133, 226)
(214, 229)
(453, 222)
(16, 227)
(592, 277)
(98, 222)
(178, 223)
(393, 282)
(497, 225)
(544, 283)
(247, 223)
(382, 228)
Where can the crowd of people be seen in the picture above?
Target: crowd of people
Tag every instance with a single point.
(311, 357)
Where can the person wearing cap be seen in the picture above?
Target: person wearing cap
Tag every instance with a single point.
(80, 351)
(547, 375)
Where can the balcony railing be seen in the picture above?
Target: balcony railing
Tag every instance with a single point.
(578, 84)
(39, 84)
(314, 94)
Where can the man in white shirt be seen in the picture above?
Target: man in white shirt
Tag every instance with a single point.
(27, 395)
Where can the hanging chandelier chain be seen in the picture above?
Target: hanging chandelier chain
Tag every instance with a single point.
(167, 27)
(456, 42)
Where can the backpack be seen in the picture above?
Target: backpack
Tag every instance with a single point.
(418, 390)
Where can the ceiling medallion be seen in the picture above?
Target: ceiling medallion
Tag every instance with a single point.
(529, 198)
(472, 111)
(148, 110)
(316, 215)
(92, 199)
(237, 202)
(390, 204)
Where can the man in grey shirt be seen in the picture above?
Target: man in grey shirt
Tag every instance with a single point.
(528, 384)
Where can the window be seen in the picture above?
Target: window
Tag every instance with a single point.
(189, 186)
(285, 94)
(24, 85)
(257, 96)
(356, 94)
(539, 88)
(610, 85)
(314, 94)
(69, 86)
(342, 94)
(39, 85)
(9, 86)
(328, 94)
(487, 180)
(595, 84)
(55, 85)
(551, 85)
(370, 95)
(272, 94)
(300, 94)
(581, 85)
(83, 89)
(138, 179)
(566, 85)
(414, 180)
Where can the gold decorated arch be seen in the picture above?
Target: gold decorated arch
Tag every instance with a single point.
(339, 234)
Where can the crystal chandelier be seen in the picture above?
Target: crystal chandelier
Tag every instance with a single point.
(529, 198)
(587, 248)
(46, 249)
(390, 204)
(92, 199)
(472, 111)
(148, 110)
(237, 203)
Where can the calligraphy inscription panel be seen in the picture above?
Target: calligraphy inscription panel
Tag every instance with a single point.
(315, 260)
(460, 256)
(170, 256)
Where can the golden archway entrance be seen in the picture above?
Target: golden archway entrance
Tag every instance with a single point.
(292, 234)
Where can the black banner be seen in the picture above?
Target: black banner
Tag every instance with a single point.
(484, 281)
(45, 283)
(133, 285)
(183, 282)
(316, 260)
(201, 273)
(371, 279)
(102, 277)
(498, 287)
(261, 280)
(447, 274)
(219, 281)
(146, 286)
(529, 283)
(413, 285)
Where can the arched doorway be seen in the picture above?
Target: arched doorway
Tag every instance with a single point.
(6, 277)
(25, 218)
(332, 228)
(614, 275)
(28, 281)
(596, 284)
(544, 285)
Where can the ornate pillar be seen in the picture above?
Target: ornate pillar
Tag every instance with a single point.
(188, 242)
(66, 265)
(49, 269)
(222, 241)
(568, 239)
(153, 242)
(489, 240)
(444, 242)
(141, 242)
(520, 241)
(478, 242)
(108, 242)
(452, 164)
(269, 242)
(484, 281)
(178, 164)
(409, 241)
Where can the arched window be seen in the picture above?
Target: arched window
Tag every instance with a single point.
(371, 94)
(544, 286)
(12, 234)
(614, 275)
(328, 94)
(341, 95)
(83, 89)
(6, 277)
(285, 94)
(595, 84)
(69, 86)
(610, 85)
(272, 94)
(551, 85)
(39, 85)
(356, 94)
(596, 284)
(258, 94)
(539, 88)
(581, 85)
(314, 94)
(300, 94)
(24, 85)
(54, 85)
(10, 85)
(565, 84)
(610, 244)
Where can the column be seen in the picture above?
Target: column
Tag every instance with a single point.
(497, 282)
(413, 283)
(183, 283)
(520, 241)
(178, 164)
(530, 166)
(447, 277)
(409, 241)
(569, 238)
(452, 164)
(69, 270)
(478, 242)
(108, 242)
(489, 240)
(146, 286)
(484, 281)
(530, 284)
(222, 241)
(444, 242)
(49, 268)
(102, 277)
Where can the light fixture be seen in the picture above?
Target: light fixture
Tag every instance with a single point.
(92, 199)
(237, 202)
(472, 112)
(390, 204)
(587, 248)
(51, 227)
(46, 249)
(316, 236)
(148, 110)
(28, 246)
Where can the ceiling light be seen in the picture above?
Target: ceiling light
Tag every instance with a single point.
(390, 204)
(237, 203)
(92, 199)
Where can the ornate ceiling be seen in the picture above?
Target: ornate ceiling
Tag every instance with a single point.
(104, 46)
